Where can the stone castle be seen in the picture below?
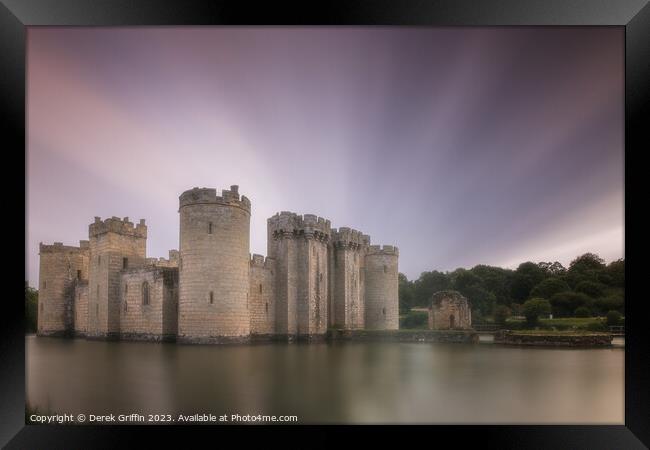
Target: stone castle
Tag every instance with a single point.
(212, 290)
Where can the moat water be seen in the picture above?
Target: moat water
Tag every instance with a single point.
(331, 382)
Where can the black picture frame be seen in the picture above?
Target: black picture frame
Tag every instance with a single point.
(633, 15)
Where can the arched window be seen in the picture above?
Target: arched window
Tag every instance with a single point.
(210, 228)
(145, 293)
(211, 297)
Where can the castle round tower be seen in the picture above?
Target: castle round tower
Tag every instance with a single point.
(382, 307)
(214, 266)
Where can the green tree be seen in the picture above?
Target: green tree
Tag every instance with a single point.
(582, 311)
(534, 308)
(616, 272)
(526, 277)
(612, 301)
(614, 318)
(552, 268)
(31, 309)
(427, 284)
(585, 267)
(405, 293)
(495, 280)
(501, 314)
(591, 288)
(565, 303)
(549, 287)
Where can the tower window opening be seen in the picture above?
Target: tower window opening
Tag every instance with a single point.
(125, 307)
(260, 288)
(385, 268)
(211, 297)
(383, 311)
(145, 293)
(78, 274)
(97, 290)
(266, 307)
(125, 263)
(126, 289)
(99, 259)
(210, 228)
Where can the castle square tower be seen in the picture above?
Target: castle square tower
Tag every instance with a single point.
(115, 244)
(149, 309)
(382, 303)
(299, 246)
(61, 267)
(347, 260)
(262, 296)
(214, 262)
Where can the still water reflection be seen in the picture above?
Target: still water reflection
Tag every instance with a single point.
(330, 383)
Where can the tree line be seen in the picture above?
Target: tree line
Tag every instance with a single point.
(588, 287)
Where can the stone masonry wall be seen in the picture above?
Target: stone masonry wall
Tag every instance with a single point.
(300, 249)
(262, 295)
(347, 302)
(151, 318)
(312, 286)
(59, 267)
(449, 310)
(81, 308)
(382, 303)
(115, 244)
(214, 266)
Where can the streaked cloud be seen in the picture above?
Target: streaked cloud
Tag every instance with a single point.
(459, 145)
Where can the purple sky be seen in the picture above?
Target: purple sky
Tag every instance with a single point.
(462, 146)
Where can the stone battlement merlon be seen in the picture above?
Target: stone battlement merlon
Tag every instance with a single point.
(116, 225)
(58, 247)
(228, 197)
(260, 261)
(287, 223)
(384, 250)
(349, 237)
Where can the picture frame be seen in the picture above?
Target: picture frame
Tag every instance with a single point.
(633, 15)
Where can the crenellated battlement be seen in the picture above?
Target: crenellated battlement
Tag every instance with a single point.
(58, 247)
(345, 237)
(117, 225)
(228, 197)
(164, 262)
(287, 224)
(262, 262)
(383, 250)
